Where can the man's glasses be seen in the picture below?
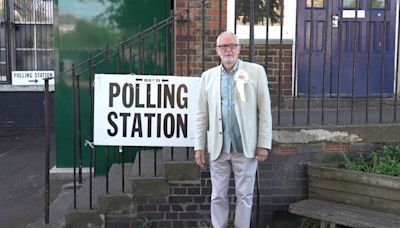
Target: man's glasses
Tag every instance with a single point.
(226, 46)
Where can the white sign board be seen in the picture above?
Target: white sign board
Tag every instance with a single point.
(137, 110)
(31, 77)
(352, 14)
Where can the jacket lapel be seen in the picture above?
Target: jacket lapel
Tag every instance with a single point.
(217, 75)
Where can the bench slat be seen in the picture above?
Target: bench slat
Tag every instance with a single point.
(344, 214)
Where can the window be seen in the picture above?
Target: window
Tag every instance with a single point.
(315, 4)
(377, 4)
(263, 9)
(33, 34)
(350, 4)
(238, 18)
(26, 37)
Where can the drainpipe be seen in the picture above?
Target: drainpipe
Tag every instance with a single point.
(9, 36)
(251, 38)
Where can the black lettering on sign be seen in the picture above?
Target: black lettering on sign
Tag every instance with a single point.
(181, 125)
(149, 117)
(159, 96)
(124, 122)
(137, 104)
(169, 121)
(114, 130)
(158, 125)
(114, 92)
(137, 125)
(169, 95)
(182, 102)
(127, 95)
(148, 92)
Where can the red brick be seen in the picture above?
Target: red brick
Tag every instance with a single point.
(290, 149)
(335, 148)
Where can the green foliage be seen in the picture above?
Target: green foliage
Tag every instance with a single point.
(231, 223)
(270, 9)
(144, 223)
(385, 161)
(306, 223)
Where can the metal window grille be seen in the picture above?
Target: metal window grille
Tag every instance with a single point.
(26, 36)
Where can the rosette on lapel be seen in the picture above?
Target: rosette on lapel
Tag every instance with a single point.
(241, 77)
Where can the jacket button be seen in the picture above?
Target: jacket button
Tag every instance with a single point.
(220, 133)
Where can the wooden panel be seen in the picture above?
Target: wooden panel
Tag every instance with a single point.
(353, 176)
(344, 214)
(356, 199)
(355, 187)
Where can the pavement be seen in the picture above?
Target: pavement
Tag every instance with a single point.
(22, 179)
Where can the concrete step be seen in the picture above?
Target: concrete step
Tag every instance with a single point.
(150, 163)
(149, 186)
(126, 221)
(118, 200)
(181, 171)
(121, 203)
(157, 167)
(156, 170)
(84, 218)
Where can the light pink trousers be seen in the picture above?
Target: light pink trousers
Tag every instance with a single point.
(244, 170)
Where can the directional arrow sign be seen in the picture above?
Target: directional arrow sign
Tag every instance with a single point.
(31, 77)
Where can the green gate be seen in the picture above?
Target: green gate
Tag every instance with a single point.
(87, 39)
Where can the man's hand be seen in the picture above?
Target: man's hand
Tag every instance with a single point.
(262, 154)
(200, 158)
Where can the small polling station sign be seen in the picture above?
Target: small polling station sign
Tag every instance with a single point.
(144, 110)
(31, 77)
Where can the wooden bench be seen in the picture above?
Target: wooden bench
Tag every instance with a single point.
(332, 213)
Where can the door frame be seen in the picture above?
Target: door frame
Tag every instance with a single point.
(396, 59)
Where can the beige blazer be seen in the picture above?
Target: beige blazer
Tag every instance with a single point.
(254, 115)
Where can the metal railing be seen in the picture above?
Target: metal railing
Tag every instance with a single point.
(301, 107)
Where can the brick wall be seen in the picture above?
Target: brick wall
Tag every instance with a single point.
(212, 28)
(22, 112)
(279, 79)
(186, 206)
(283, 180)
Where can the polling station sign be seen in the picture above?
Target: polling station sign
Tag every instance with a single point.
(144, 110)
(31, 77)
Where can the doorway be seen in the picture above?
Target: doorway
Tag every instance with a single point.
(346, 48)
